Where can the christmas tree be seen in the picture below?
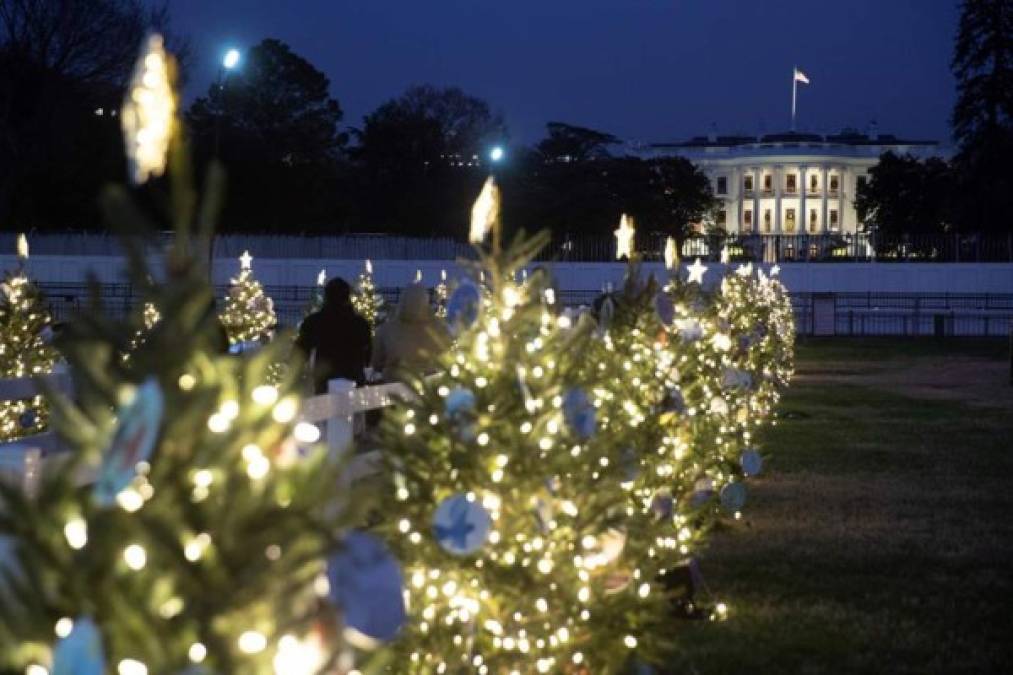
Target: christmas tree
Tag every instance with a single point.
(440, 294)
(248, 314)
(189, 524)
(509, 516)
(25, 349)
(365, 299)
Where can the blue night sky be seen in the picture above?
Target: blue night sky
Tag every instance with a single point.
(643, 70)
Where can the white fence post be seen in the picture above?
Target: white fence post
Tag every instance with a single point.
(340, 427)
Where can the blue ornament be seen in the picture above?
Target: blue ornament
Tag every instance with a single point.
(733, 496)
(27, 419)
(674, 401)
(136, 434)
(463, 304)
(579, 414)
(461, 525)
(703, 490)
(366, 584)
(459, 402)
(664, 308)
(243, 347)
(662, 505)
(80, 653)
(735, 378)
(751, 462)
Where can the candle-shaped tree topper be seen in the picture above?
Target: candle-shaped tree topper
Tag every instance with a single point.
(485, 214)
(671, 254)
(624, 237)
(149, 112)
(22, 247)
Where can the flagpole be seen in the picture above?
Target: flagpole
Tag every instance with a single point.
(794, 89)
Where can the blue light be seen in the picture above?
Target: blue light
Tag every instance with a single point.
(496, 154)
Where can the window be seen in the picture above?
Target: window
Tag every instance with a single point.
(722, 185)
(834, 183)
(791, 183)
(834, 225)
(722, 218)
(812, 220)
(766, 220)
(862, 182)
(768, 182)
(747, 220)
(747, 183)
(814, 183)
(789, 220)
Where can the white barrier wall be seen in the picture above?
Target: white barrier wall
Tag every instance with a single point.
(799, 277)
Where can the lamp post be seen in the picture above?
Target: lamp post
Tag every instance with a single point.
(229, 63)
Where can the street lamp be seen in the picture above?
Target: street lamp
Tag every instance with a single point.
(496, 154)
(231, 59)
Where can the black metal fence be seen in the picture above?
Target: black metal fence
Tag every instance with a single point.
(858, 247)
(850, 314)
(913, 314)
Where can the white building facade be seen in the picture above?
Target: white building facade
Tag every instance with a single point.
(791, 183)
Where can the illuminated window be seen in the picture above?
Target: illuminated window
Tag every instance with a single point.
(722, 185)
(768, 182)
(747, 219)
(813, 183)
(791, 183)
(834, 183)
(812, 220)
(766, 220)
(789, 220)
(834, 225)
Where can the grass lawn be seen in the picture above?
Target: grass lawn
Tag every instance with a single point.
(880, 537)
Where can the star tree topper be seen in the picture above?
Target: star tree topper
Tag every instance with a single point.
(696, 272)
(245, 261)
(624, 237)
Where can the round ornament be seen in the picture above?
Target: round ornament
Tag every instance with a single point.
(135, 438)
(459, 401)
(703, 490)
(463, 304)
(579, 413)
(664, 308)
(751, 462)
(673, 401)
(689, 330)
(733, 497)
(461, 525)
(366, 583)
(80, 653)
(28, 419)
(662, 504)
(605, 549)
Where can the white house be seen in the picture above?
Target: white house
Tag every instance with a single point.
(789, 183)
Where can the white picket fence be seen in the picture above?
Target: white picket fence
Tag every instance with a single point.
(338, 412)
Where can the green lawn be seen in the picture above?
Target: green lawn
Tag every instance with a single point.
(880, 537)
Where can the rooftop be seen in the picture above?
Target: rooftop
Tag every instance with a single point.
(846, 137)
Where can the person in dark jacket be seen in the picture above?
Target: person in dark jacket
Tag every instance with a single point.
(336, 339)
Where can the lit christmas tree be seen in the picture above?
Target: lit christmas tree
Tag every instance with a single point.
(248, 314)
(508, 523)
(365, 299)
(440, 294)
(25, 348)
(202, 544)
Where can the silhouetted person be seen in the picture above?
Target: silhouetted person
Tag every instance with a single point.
(409, 342)
(336, 339)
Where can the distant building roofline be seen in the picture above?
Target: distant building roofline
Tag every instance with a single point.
(846, 137)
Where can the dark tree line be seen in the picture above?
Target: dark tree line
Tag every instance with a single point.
(63, 66)
(973, 192)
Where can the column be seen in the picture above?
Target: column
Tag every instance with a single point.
(757, 223)
(778, 178)
(825, 185)
(803, 215)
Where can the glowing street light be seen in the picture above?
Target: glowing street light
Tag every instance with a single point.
(231, 59)
(496, 154)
